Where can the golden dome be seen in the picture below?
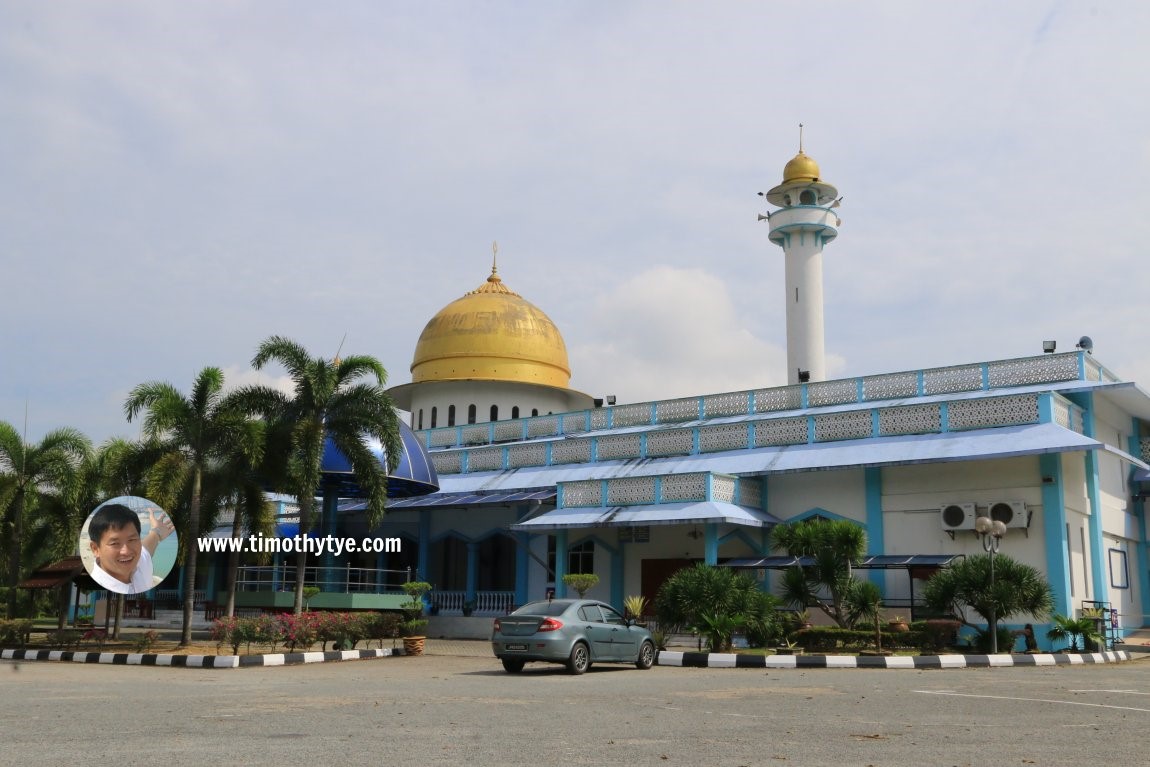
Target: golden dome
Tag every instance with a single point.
(491, 334)
(801, 168)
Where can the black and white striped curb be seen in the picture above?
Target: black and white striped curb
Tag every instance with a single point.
(195, 661)
(734, 660)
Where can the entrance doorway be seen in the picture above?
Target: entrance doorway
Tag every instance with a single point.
(655, 572)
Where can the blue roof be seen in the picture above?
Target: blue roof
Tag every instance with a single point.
(463, 499)
(695, 512)
(1005, 442)
(877, 562)
(415, 475)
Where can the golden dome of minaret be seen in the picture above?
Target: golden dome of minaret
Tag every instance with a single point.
(491, 333)
(802, 167)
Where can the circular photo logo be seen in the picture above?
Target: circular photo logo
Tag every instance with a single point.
(128, 544)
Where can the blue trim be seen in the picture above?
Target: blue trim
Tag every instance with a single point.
(1046, 407)
(561, 548)
(472, 570)
(1142, 550)
(944, 417)
(817, 511)
(617, 578)
(330, 508)
(1054, 530)
(711, 543)
(522, 563)
(875, 428)
(921, 383)
(875, 533)
(740, 535)
(424, 559)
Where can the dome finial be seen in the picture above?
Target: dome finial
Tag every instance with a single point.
(800, 138)
(494, 263)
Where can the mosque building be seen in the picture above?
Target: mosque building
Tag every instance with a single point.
(537, 480)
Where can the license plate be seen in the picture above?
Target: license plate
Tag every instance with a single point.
(515, 647)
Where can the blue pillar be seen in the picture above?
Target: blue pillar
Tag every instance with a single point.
(380, 576)
(875, 535)
(424, 545)
(1142, 559)
(330, 575)
(210, 583)
(560, 562)
(711, 543)
(1054, 531)
(472, 571)
(1097, 550)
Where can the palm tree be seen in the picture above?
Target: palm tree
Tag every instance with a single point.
(1069, 629)
(187, 436)
(1017, 588)
(833, 546)
(330, 401)
(29, 472)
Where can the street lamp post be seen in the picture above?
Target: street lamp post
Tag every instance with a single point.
(990, 532)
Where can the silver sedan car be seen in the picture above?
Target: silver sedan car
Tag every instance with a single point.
(575, 632)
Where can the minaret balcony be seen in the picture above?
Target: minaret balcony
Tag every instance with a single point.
(804, 218)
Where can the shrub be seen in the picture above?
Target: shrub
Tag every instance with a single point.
(14, 632)
(224, 633)
(938, 633)
(381, 626)
(297, 631)
(146, 641)
(715, 602)
(581, 582)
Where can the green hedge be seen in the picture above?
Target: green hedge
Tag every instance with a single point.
(833, 638)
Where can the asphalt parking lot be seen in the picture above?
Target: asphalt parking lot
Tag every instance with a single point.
(442, 709)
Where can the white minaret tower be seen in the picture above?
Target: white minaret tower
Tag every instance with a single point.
(804, 223)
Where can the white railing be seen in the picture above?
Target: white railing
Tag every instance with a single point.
(486, 602)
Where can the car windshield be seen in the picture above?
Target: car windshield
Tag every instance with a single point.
(543, 608)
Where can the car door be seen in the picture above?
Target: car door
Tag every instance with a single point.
(598, 632)
(624, 644)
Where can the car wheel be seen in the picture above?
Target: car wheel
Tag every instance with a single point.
(513, 665)
(580, 659)
(646, 656)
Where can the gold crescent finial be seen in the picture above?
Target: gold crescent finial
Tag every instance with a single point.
(494, 256)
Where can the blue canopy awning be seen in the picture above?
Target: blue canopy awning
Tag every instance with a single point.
(877, 562)
(689, 513)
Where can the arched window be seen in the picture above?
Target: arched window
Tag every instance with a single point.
(515, 412)
(807, 197)
(433, 414)
(534, 411)
(471, 413)
(451, 415)
(495, 412)
(421, 418)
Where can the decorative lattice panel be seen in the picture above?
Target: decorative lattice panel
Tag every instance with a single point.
(723, 489)
(447, 463)
(444, 438)
(506, 431)
(1145, 443)
(588, 493)
(571, 451)
(1032, 370)
(631, 415)
(527, 455)
(478, 434)
(677, 410)
(485, 459)
(684, 487)
(781, 398)
(832, 392)
(854, 424)
(948, 380)
(630, 491)
(544, 426)
(598, 419)
(729, 436)
(735, 403)
(781, 431)
(913, 419)
(670, 442)
(574, 423)
(1061, 410)
(996, 411)
(751, 492)
(890, 386)
(619, 446)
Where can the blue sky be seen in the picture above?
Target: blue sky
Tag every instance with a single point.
(181, 180)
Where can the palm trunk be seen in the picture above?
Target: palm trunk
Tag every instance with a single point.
(14, 551)
(192, 552)
(233, 563)
(305, 504)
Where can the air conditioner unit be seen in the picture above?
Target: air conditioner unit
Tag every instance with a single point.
(957, 516)
(1009, 513)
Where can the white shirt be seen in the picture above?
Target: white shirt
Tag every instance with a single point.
(141, 576)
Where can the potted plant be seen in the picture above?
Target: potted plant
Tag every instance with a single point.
(634, 607)
(898, 624)
(414, 621)
(468, 608)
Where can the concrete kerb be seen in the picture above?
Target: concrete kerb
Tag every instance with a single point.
(196, 661)
(734, 660)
